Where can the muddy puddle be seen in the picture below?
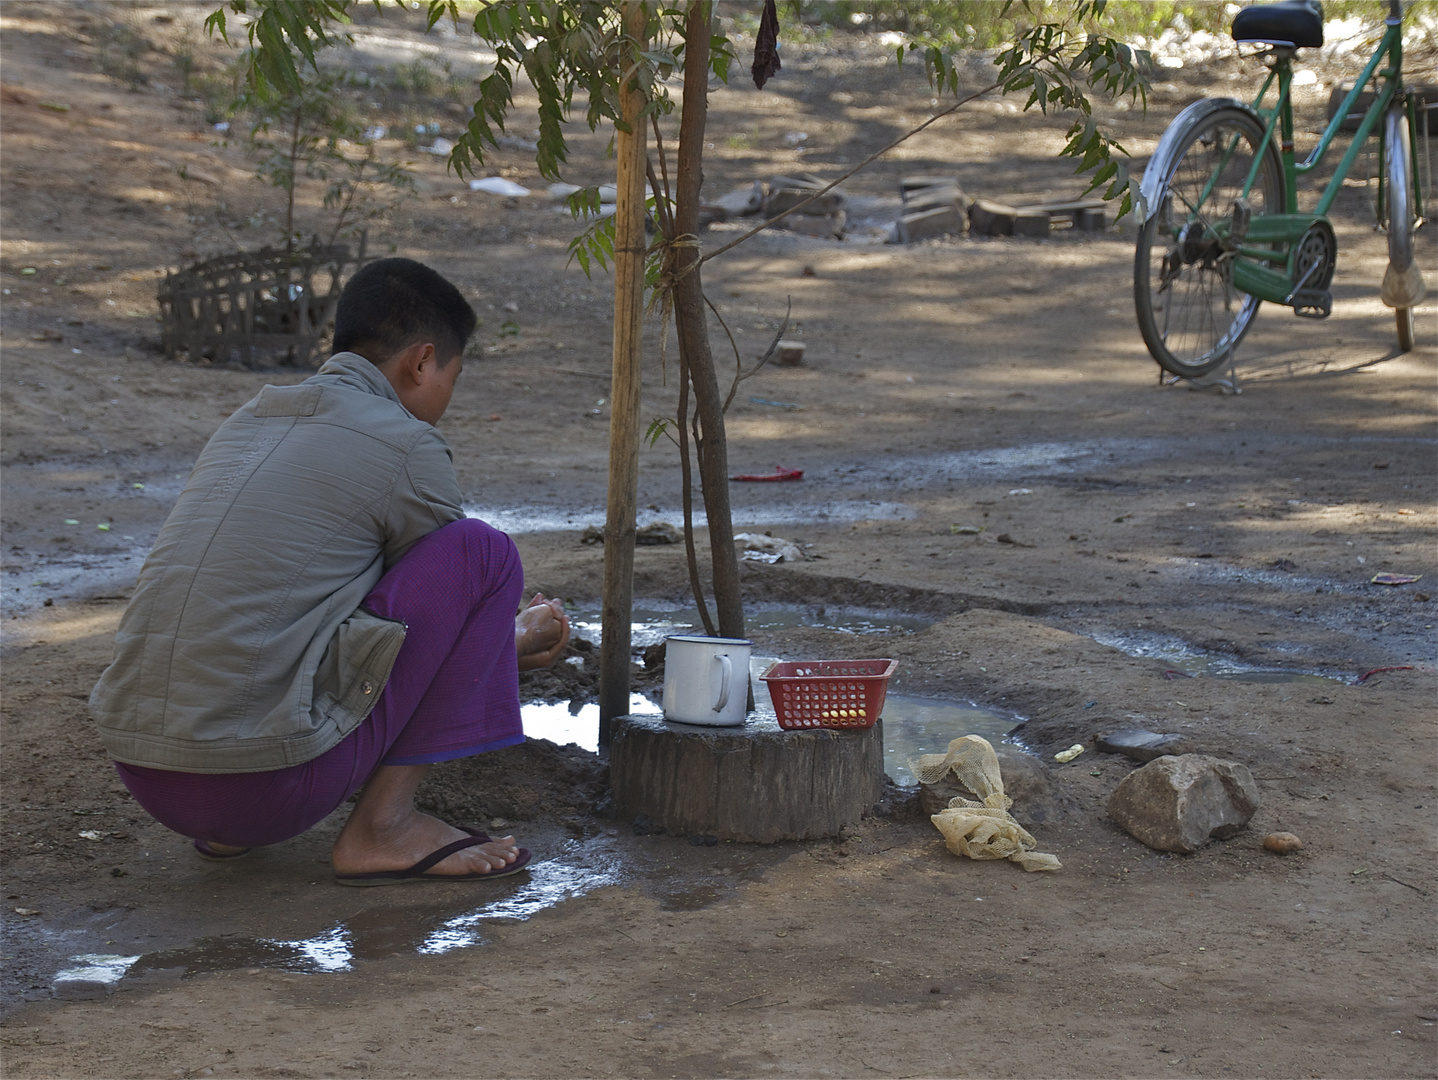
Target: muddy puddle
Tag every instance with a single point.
(1186, 661)
(517, 520)
(653, 623)
(410, 926)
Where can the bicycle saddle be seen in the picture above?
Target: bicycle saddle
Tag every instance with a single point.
(1294, 23)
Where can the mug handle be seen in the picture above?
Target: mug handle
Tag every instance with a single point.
(724, 678)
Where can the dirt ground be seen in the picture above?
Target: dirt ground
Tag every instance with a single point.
(995, 384)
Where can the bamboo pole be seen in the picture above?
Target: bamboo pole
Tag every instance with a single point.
(624, 396)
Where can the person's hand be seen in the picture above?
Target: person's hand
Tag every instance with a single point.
(541, 631)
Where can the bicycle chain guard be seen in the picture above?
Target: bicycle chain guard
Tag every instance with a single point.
(1313, 263)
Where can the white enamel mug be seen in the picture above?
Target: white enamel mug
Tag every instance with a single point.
(706, 680)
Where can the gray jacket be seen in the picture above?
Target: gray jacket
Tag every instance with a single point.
(243, 648)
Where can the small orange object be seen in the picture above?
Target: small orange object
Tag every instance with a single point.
(495, 416)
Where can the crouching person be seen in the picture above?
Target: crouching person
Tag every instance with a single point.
(318, 616)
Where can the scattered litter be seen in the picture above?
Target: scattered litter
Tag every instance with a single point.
(1068, 755)
(780, 473)
(1394, 579)
(498, 185)
(91, 834)
(72, 521)
(27, 911)
(55, 106)
(138, 487)
(223, 126)
(441, 148)
(1021, 491)
(790, 405)
(770, 549)
(966, 530)
(28, 271)
(376, 133)
(1406, 513)
(981, 829)
(794, 138)
(1375, 671)
(103, 527)
(1282, 842)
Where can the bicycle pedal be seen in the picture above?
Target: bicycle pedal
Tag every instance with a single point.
(1312, 303)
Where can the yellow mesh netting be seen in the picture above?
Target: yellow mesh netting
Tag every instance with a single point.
(985, 829)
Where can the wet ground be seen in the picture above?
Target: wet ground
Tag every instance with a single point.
(997, 494)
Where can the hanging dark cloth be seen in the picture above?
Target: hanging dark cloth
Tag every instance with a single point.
(766, 46)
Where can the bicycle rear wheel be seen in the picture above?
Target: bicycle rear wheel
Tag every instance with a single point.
(1402, 283)
(1190, 315)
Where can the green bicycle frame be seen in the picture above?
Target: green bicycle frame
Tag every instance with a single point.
(1390, 48)
(1256, 273)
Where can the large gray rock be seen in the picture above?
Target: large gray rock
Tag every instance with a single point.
(1179, 803)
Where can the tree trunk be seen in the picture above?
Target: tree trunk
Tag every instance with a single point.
(615, 619)
(691, 324)
(755, 783)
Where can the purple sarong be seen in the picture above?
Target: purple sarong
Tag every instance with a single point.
(454, 692)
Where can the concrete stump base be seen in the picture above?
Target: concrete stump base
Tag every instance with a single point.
(756, 783)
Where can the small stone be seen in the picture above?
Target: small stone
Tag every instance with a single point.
(929, 223)
(740, 202)
(1032, 223)
(1141, 745)
(1179, 803)
(816, 225)
(989, 218)
(1282, 842)
(658, 532)
(786, 198)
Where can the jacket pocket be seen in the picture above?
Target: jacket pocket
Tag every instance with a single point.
(356, 667)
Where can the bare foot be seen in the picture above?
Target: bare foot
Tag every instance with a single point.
(224, 849)
(365, 846)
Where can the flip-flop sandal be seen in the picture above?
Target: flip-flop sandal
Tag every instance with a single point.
(206, 852)
(418, 872)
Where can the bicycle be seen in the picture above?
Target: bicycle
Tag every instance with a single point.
(1220, 230)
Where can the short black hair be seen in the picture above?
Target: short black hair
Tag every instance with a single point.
(390, 304)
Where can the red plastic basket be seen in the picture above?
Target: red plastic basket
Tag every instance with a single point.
(828, 693)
